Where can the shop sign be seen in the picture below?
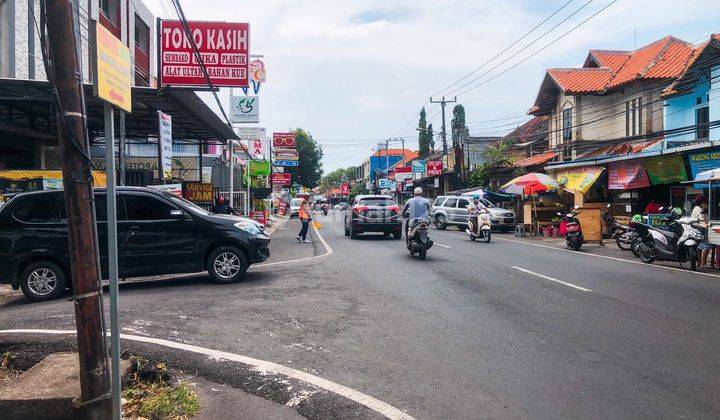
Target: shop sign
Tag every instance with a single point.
(579, 179)
(284, 140)
(259, 167)
(286, 154)
(666, 169)
(223, 48)
(704, 161)
(199, 192)
(434, 168)
(418, 166)
(627, 175)
(281, 179)
(245, 109)
(258, 216)
(113, 82)
(175, 189)
(257, 75)
(383, 183)
(287, 163)
(165, 144)
(344, 188)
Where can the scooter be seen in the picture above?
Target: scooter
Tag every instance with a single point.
(678, 243)
(573, 232)
(417, 239)
(325, 209)
(479, 226)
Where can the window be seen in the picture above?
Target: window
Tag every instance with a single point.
(567, 122)
(451, 202)
(702, 121)
(144, 207)
(39, 208)
(377, 201)
(463, 203)
(100, 209)
(438, 201)
(111, 12)
(142, 35)
(633, 117)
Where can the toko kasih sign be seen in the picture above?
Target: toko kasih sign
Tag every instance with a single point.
(223, 48)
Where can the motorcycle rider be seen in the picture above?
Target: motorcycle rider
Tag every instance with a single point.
(416, 208)
(475, 208)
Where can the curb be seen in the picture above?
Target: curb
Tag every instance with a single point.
(282, 220)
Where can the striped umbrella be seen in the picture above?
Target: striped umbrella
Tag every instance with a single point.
(530, 184)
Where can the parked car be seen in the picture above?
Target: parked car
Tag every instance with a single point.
(295, 207)
(158, 233)
(452, 210)
(373, 213)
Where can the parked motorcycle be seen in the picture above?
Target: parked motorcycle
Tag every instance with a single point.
(480, 226)
(573, 231)
(417, 240)
(678, 243)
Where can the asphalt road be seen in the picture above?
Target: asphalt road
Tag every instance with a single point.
(477, 330)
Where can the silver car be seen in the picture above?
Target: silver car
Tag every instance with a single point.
(295, 207)
(452, 210)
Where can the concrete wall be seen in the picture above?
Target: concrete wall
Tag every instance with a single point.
(680, 112)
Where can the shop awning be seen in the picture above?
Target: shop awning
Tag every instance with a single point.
(99, 177)
(535, 160)
(27, 108)
(579, 179)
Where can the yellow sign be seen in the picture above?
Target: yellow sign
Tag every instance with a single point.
(113, 81)
(579, 179)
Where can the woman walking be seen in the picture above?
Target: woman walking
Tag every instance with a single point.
(304, 216)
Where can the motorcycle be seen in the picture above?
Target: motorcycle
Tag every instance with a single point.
(479, 226)
(573, 231)
(678, 243)
(325, 209)
(417, 239)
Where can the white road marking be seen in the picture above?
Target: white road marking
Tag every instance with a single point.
(542, 276)
(442, 246)
(328, 251)
(381, 407)
(611, 258)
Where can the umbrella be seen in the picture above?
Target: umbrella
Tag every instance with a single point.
(530, 184)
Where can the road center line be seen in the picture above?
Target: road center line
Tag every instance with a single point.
(442, 246)
(553, 279)
(372, 403)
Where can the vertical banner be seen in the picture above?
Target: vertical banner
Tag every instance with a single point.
(113, 75)
(165, 144)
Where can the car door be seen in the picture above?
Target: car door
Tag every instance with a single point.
(158, 237)
(461, 211)
(450, 209)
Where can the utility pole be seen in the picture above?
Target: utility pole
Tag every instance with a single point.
(79, 205)
(442, 103)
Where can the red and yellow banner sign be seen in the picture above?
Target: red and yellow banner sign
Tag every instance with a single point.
(627, 175)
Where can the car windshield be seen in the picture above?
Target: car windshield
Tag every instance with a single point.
(187, 205)
(377, 201)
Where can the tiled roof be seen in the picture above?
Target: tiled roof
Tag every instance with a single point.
(408, 158)
(531, 130)
(621, 149)
(665, 58)
(535, 160)
(581, 80)
(612, 59)
(393, 152)
(676, 86)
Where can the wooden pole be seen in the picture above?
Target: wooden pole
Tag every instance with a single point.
(79, 204)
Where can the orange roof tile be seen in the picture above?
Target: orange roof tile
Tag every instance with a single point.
(408, 158)
(692, 59)
(393, 152)
(581, 80)
(613, 59)
(665, 58)
(535, 160)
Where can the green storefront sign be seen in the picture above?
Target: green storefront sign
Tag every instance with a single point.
(666, 169)
(259, 168)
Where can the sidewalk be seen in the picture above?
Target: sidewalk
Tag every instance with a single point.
(284, 246)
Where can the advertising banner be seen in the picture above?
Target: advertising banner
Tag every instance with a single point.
(627, 175)
(175, 189)
(434, 168)
(257, 149)
(704, 161)
(257, 75)
(200, 192)
(579, 179)
(287, 163)
(250, 133)
(165, 145)
(281, 179)
(245, 109)
(384, 183)
(286, 154)
(666, 169)
(113, 80)
(283, 140)
(259, 167)
(258, 216)
(223, 48)
(344, 189)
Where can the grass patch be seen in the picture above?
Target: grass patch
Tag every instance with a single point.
(7, 366)
(149, 394)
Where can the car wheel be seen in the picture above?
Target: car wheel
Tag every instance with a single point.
(397, 235)
(441, 222)
(347, 232)
(42, 280)
(486, 236)
(386, 235)
(227, 264)
(353, 233)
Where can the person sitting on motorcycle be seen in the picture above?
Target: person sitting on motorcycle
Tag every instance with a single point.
(416, 209)
(475, 208)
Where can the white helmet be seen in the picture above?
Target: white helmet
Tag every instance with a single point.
(417, 191)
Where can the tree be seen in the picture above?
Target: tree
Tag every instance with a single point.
(309, 172)
(493, 156)
(459, 130)
(336, 178)
(423, 143)
(431, 137)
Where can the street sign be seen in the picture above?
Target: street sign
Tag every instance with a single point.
(245, 109)
(286, 154)
(284, 140)
(383, 183)
(434, 168)
(113, 82)
(223, 48)
(287, 163)
(281, 179)
(165, 144)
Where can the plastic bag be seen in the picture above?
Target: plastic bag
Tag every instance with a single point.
(317, 224)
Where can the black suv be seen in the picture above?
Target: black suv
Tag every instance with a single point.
(158, 233)
(373, 213)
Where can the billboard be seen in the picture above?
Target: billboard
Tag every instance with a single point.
(281, 179)
(345, 188)
(287, 163)
(283, 140)
(165, 144)
(113, 81)
(245, 109)
(223, 46)
(434, 168)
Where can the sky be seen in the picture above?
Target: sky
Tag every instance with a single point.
(354, 73)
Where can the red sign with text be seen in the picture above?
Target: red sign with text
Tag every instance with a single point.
(258, 216)
(434, 168)
(223, 46)
(281, 179)
(284, 140)
(344, 189)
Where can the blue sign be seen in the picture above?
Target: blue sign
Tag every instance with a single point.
(704, 161)
(286, 163)
(384, 183)
(418, 166)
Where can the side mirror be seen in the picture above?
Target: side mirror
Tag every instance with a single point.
(177, 214)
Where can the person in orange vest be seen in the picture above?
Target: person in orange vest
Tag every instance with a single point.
(304, 216)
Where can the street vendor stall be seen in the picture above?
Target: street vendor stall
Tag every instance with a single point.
(711, 180)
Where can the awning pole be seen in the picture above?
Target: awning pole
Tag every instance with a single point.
(232, 172)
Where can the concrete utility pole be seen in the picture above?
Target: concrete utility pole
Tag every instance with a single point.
(79, 204)
(442, 103)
